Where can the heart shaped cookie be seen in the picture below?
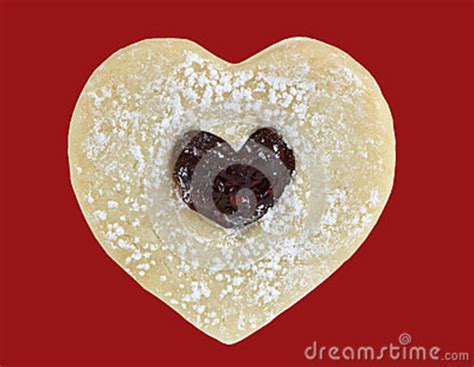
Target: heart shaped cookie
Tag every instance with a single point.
(230, 191)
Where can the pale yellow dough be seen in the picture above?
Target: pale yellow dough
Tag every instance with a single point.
(230, 283)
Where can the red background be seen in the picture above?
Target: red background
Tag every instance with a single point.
(66, 303)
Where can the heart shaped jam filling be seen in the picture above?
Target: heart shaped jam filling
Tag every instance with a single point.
(232, 188)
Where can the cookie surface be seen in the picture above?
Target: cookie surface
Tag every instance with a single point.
(229, 282)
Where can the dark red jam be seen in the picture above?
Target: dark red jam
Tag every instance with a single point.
(233, 188)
